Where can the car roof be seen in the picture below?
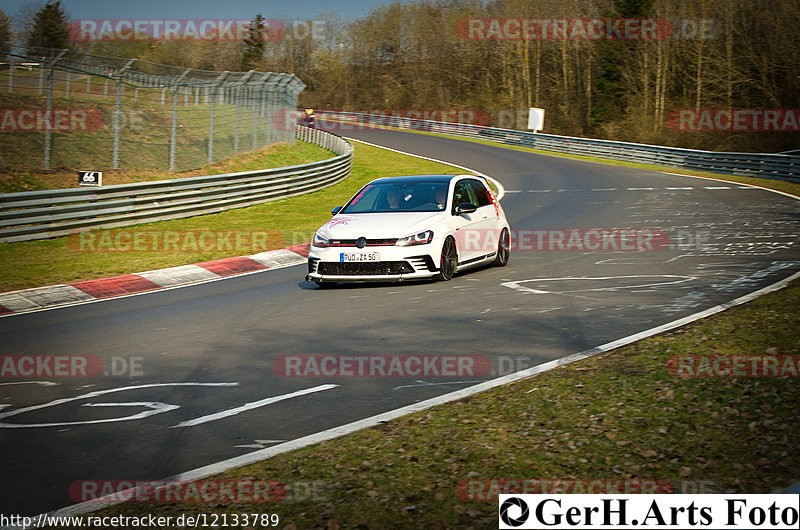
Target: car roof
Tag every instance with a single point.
(407, 179)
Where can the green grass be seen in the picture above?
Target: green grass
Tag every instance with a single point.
(619, 416)
(273, 156)
(287, 221)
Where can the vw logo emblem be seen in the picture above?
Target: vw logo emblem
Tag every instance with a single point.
(361, 242)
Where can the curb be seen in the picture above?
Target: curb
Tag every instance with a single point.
(39, 298)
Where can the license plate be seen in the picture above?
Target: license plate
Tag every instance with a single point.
(347, 257)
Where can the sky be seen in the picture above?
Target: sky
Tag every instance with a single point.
(200, 9)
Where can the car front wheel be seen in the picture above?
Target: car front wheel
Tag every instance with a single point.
(448, 261)
(503, 249)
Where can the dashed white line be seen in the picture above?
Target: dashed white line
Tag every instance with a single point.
(680, 188)
(640, 189)
(253, 405)
(718, 187)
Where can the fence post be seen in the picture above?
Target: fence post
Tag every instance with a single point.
(11, 79)
(117, 112)
(48, 134)
(66, 88)
(238, 104)
(214, 96)
(174, 134)
(211, 128)
(255, 123)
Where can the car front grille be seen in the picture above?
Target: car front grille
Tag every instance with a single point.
(364, 268)
(370, 242)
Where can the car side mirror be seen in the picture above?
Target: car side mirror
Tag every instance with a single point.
(465, 207)
(336, 210)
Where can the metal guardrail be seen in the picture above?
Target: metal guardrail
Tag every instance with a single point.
(759, 165)
(52, 213)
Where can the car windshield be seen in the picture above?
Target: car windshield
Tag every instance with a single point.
(387, 197)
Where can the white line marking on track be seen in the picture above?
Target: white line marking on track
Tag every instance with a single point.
(428, 383)
(260, 444)
(490, 310)
(516, 284)
(249, 406)
(680, 188)
(155, 409)
(43, 383)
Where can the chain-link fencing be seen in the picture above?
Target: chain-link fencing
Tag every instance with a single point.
(67, 109)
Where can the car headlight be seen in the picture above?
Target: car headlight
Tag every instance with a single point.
(423, 238)
(320, 241)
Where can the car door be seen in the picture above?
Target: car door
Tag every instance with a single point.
(472, 228)
(489, 214)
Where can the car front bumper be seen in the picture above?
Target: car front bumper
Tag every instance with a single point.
(394, 264)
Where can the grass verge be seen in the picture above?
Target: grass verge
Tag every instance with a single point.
(273, 156)
(279, 224)
(621, 418)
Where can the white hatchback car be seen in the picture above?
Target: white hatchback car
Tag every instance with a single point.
(411, 228)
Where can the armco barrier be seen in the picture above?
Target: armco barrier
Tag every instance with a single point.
(760, 165)
(52, 213)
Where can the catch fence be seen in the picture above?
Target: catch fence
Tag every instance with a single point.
(63, 108)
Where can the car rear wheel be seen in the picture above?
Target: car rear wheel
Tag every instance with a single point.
(448, 261)
(503, 249)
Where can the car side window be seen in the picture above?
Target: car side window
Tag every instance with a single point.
(481, 192)
(463, 192)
